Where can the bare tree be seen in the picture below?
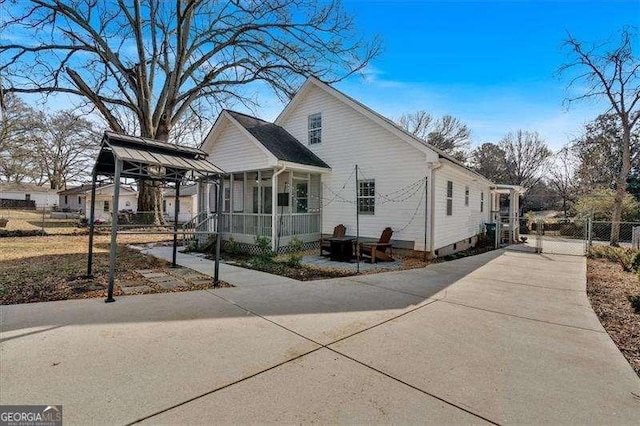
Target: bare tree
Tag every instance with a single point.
(18, 125)
(447, 133)
(65, 147)
(611, 73)
(562, 178)
(526, 156)
(154, 60)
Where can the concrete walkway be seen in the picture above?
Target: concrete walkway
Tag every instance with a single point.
(504, 337)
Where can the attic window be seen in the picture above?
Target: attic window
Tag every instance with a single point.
(315, 128)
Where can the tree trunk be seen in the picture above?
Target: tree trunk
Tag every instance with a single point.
(150, 203)
(621, 183)
(149, 192)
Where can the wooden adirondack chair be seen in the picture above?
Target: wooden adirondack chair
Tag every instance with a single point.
(378, 250)
(338, 231)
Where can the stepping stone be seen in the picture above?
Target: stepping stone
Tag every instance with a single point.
(171, 284)
(129, 284)
(137, 289)
(161, 279)
(155, 275)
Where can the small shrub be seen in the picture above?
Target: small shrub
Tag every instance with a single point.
(266, 254)
(635, 303)
(192, 246)
(209, 246)
(484, 240)
(635, 262)
(231, 247)
(295, 255)
(624, 256)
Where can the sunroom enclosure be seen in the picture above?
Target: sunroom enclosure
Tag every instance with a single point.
(275, 203)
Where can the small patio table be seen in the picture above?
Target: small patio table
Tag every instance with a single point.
(341, 248)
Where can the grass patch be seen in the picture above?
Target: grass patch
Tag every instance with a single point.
(615, 295)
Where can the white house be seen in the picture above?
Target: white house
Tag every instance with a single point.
(79, 199)
(297, 177)
(187, 203)
(73, 199)
(42, 196)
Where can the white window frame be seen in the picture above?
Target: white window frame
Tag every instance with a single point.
(466, 196)
(314, 125)
(482, 202)
(449, 199)
(369, 209)
(304, 207)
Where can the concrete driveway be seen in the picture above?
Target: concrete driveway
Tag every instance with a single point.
(504, 337)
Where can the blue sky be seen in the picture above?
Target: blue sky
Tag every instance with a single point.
(490, 63)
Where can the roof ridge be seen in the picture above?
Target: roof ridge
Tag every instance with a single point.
(247, 115)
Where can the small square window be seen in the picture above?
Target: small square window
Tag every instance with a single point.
(315, 128)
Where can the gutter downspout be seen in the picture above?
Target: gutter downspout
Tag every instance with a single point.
(274, 207)
(432, 167)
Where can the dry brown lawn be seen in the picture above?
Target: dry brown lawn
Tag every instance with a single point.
(609, 288)
(36, 269)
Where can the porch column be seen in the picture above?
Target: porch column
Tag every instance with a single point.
(512, 215)
(207, 190)
(231, 204)
(92, 216)
(516, 196)
(274, 210)
(114, 231)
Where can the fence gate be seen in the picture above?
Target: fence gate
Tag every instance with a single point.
(565, 237)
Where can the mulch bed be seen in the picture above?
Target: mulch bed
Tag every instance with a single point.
(609, 289)
(52, 277)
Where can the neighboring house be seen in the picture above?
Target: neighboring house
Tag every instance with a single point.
(79, 199)
(42, 196)
(187, 202)
(302, 167)
(73, 199)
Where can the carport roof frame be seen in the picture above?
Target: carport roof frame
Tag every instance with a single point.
(150, 159)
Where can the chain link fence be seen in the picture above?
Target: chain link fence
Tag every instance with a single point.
(571, 236)
(51, 221)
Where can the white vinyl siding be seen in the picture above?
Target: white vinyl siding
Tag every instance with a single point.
(236, 152)
(350, 138)
(465, 221)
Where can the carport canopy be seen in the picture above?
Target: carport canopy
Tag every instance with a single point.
(149, 159)
(134, 157)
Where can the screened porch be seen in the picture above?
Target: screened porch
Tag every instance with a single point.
(250, 199)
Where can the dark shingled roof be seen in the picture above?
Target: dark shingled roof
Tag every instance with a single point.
(278, 141)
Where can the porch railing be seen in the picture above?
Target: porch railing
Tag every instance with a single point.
(260, 224)
(299, 224)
